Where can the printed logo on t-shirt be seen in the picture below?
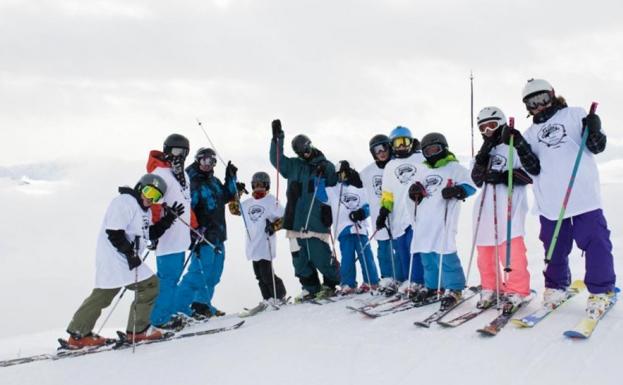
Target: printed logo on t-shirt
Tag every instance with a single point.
(256, 213)
(377, 184)
(351, 201)
(432, 184)
(498, 162)
(405, 173)
(145, 227)
(552, 135)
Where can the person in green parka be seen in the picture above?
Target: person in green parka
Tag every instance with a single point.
(307, 219)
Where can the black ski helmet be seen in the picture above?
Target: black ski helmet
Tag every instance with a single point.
(204, 152)
(432, 139)
(175, 141)
(301, 144)
(379, 139)
(152, 180)
(261, 177)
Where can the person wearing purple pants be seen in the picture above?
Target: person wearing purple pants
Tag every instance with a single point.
(555, 137)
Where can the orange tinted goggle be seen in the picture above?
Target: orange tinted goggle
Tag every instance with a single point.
(489, 126)
(402, 141)
(151, 193)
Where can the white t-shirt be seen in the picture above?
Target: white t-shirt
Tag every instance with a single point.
(351, 199)
(398, 175)
(372, 179)
(486, 231)
(111, 266)
(556, 144)
(256, 211)
(177, 238)
(429, 222)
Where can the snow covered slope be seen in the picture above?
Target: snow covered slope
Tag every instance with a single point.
(46, 269)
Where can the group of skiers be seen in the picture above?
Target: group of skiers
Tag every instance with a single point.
(407, 200)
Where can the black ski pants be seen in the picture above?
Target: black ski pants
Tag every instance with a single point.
(263, 274)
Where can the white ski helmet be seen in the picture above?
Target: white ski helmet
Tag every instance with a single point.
(535, 86)
(491, 113)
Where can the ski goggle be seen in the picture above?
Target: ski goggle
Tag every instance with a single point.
(257, 184)
(488, 127)
(179, 151)
(151, 193)
(401, 141)
(380, 148)
(536, 100)
(432, 150)
(207, 161)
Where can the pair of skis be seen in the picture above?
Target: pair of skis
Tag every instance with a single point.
(121, 343)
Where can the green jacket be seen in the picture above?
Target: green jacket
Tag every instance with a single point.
(301, 176)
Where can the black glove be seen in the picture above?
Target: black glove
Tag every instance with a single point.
(482, 157)
(382, 218)
(506, 137)
(320, 168)
(592, 122)
(496, 177)
(242, 188)
(326, 217)
(417, 192)
(277, 130)
(231, 170)
(173, 211)
(453, 192)
(133, 261)
(269, 229)
(357, 215)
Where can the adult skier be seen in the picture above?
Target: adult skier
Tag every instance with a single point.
(350, 209)
(264, 217)
(491, 169)
(372, 179)
(397, 212)
(208, 199)
(439, 187)
(171, 248)
(123, 237)
(306, 219)
(555, 137)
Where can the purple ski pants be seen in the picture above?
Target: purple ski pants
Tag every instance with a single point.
(591, 235)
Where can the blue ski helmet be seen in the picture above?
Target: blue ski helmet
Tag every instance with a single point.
(400, 132)
(402, 141)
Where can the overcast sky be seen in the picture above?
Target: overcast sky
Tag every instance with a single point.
(82, 78)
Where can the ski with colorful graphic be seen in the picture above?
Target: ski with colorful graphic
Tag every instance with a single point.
(585, 328)
(537, 316)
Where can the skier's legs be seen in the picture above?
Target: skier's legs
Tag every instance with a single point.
(518, 280)
(417, 272)
(169, 272)
(212, 264)
(430, 261)
(348, 271)
(145, 296)
(557, 274)
(487, 266)
(89, 311)
(452, 275)
(369, 264)
(303, 269)
(402, 248)
(191, 282)
(591, 234)
(321, 259)
(259, 275)
(265, 272)
(384, 255)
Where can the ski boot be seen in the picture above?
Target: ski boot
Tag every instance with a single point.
(149, 334)
(305, 295)
(325, 292)
(366, 288)
(552, 298)
(597, 304)
(388, 286)
(487, 299)
(200, 311)
(511, 302)
(76, 341)
(344, 290)
(450, 298)
(176, 323)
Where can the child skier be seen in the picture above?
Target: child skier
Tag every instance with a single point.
(395, 213)
(264, 217)
(555, 137)
(123, 237)
(350, 209)
(439, 186)
(372, 178)
(491, 169)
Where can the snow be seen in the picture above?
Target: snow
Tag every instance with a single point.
(46, 269)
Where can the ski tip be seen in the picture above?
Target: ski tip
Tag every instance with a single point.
(521, 323)
(486, 332)
(422, 324)
(574, 334)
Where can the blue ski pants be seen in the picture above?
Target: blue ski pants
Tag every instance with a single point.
(452, 276)
(169, 268)
(384, 253)
(350, 246)
(402, 248)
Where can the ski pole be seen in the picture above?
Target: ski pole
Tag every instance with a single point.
(272, 271)
(144, 257)
(137, 239)
(475, 236)
(509, 197)
(197, 233)
(444, 239)
(471, 120)
(363, 256)
(497, 246)
(411, 256)
(391, 249)
(311, 206)
(371, 238)
(565, 201)
(278, 156)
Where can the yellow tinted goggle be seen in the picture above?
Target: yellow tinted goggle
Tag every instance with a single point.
(402, 141)
(151, 193)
